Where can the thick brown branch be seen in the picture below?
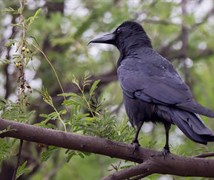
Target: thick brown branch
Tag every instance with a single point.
(158, 165)
(153, 160)
(73, 141)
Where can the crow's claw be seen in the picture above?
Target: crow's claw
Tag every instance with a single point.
(165, 152)
(136, 146)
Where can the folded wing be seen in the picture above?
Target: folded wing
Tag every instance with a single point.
(159, 83)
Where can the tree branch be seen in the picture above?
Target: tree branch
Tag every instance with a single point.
(167, 50)
(141, 169)
(152, 161)
(205, 155)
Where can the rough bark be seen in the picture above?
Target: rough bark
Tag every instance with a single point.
(150, 161)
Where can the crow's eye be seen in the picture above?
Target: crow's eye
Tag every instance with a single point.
(119, 30)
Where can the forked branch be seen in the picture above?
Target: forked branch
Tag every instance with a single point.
(151, 161)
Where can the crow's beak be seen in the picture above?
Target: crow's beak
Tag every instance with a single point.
(107, 39)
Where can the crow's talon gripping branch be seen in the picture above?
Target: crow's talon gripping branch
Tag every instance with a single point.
(165, 152)
(136, 145)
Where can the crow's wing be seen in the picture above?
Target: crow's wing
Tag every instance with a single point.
(155, 80)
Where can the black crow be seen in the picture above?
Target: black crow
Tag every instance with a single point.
(152, 89)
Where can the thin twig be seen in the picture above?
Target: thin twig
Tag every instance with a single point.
(205, 155)
(18, 160)
(36, 46)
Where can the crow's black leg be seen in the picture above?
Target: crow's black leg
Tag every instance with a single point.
(135, 140)
(166, 149)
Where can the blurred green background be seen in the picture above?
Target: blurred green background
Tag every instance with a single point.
(180, 30)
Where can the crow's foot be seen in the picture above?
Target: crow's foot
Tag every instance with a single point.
(136, 145)
(165, 152)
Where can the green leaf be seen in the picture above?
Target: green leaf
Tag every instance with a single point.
(77, 101)
(70, 154)
(44, 123)
(22, 169)
(67, 94)
(89, 119)
(31, 19)
(81, 116)
(46, 97)
(10, 10)
(9, 43)
(64, 111)
(4, 61)
(94, 87)
(47, 154)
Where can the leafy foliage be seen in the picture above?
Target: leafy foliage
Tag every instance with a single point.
(85, 115)
(5, 150)
(46, 154)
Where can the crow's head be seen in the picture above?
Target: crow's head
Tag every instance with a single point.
(127, 36)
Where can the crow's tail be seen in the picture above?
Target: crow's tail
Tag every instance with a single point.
(191, 125)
